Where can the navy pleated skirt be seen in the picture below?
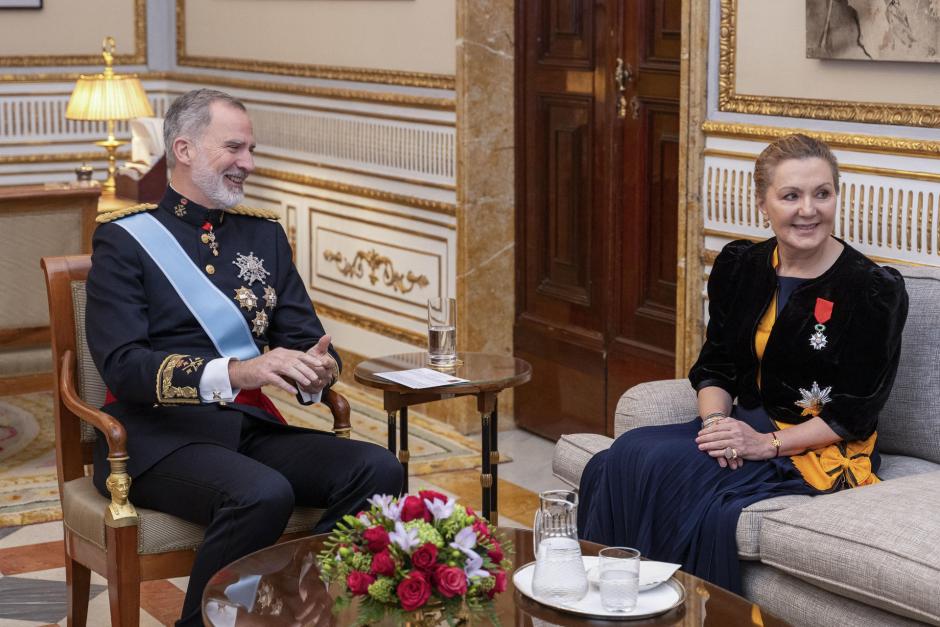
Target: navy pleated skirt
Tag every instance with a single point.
(655, 491)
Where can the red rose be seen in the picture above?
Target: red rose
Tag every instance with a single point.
(499, 585)
(431, 495)
(359, 582)
(450, 581)
(383, 564)
(425, 556)
(376, 539)
(496, 553)
(414, 508)
(413, 591)
(481, 528)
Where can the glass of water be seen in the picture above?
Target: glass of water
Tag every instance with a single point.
(619, 578)
(442, 331)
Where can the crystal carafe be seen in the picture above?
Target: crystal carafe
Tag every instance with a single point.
(559, 571)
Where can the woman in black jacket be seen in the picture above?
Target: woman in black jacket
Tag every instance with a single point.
(804, 333)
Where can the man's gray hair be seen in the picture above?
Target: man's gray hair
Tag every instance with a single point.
(190, 115)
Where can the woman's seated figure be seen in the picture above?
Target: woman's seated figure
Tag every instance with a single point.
(804, 333)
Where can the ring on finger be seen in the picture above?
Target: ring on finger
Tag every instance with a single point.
(734, 453)
(727, 452)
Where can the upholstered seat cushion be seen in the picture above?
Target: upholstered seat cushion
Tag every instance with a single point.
(83, 511)
(876, 544)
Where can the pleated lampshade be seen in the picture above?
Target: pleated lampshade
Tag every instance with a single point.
(108, 96)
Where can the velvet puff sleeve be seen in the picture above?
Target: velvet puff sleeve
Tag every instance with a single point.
(869, 359)
(715, 365)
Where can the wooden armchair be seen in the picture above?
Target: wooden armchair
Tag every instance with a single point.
(124, 544)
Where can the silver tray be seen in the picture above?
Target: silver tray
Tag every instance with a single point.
(659, 600)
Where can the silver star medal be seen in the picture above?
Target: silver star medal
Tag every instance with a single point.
(270, 297)
(818, 340)
(250, 268)
(813, 399)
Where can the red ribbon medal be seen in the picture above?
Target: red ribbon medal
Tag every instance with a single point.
(823, 313)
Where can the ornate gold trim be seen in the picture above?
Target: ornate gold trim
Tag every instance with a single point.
(139, 57)
(843, 167)
(255, 212)
(110, 216)
(169, 394)
(386, 77)
(838, 110)
(61, 157)
(372, 258)
(346, 203)
(368, 324)
(355, 190)
(372, 173)
(846, 141)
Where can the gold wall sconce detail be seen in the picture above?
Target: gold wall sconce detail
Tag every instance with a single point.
(375, 261)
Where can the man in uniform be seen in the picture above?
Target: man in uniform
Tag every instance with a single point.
(183, 299)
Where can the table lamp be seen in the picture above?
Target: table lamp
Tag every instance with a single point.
(108, 97)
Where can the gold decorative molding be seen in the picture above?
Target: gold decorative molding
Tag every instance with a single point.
(847, 141)
(386, 77)
(355, 190)
(368, 324)
(139, 57)
(60, 158)
(372, 258)
(837, 110)
(913, 175)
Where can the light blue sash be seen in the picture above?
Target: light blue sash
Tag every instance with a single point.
(229, 330)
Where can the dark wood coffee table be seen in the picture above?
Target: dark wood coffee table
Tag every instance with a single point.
(280, 585)
(487, 375)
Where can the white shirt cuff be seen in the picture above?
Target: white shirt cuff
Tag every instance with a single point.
(215, 386)
(309, 398)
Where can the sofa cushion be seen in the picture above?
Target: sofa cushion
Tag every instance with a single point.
(896, 466)
(876, 544)
(747, 533)
(572, 453)
(83, 510)
(655, 403)
(910, 422)
(804, 605)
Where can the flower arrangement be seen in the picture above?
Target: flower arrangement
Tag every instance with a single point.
(408, 557)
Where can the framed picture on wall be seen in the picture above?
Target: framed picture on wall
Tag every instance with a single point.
(20, 4)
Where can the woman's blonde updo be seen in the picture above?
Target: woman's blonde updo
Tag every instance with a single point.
(795, 146)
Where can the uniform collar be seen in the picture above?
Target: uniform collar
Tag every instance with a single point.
(188, 210)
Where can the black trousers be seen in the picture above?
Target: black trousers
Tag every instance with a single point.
(244, 497)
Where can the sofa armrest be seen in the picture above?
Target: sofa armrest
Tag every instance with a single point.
(666, 402)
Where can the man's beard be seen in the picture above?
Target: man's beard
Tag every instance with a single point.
(213, 185)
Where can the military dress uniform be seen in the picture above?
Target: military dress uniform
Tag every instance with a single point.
(194, 451)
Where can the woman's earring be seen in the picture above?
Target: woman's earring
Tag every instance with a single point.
(765, 221)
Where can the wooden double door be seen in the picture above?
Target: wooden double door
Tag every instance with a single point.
(597, 113)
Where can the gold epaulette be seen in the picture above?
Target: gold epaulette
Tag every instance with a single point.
(110, 216)
(254, 212)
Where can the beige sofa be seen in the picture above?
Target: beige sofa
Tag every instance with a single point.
(868, 556)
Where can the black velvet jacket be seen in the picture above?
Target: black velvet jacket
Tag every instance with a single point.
(858, 362)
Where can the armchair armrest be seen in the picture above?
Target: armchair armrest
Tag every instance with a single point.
(665, 402)
(120, 511)
(339, 407)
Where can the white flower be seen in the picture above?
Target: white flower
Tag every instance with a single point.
(439, 510)
(386, 502)
(472, 567)
(465, 540)
(406, 539)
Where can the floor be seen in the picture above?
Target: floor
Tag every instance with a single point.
(32, 588)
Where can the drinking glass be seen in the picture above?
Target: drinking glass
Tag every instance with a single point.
(619, 578)
(442, 331)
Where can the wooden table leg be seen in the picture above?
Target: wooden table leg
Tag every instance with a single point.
(403, 453)
(486, 404)
(392, 422)
(494, 463)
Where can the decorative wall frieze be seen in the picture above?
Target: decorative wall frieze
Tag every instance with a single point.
(838, 110)
(375, 261)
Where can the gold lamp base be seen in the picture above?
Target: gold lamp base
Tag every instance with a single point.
(110, 145)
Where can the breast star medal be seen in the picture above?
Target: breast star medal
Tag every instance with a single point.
(270, 297)
(813, 399)
(260, 323)
(245, 298)
(250, 268)
(823, 312)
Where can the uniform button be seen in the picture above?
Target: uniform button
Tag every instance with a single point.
(210, 269)
(205, 238)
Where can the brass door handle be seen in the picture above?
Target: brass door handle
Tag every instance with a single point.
(623, 74)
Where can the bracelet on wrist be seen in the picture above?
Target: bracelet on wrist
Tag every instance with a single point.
(775, 441)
